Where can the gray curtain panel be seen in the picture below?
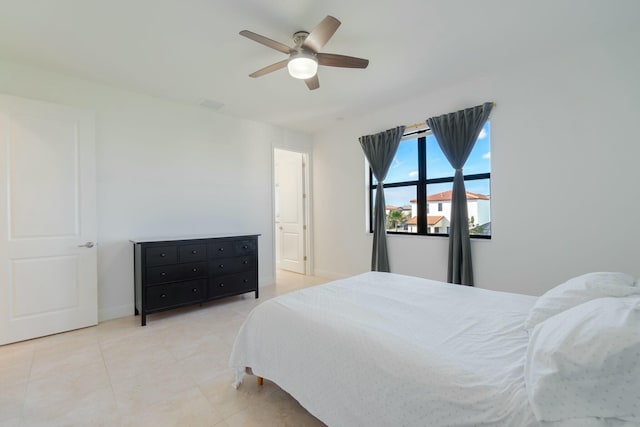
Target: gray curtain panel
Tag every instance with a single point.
(456, 134)
(380, 150)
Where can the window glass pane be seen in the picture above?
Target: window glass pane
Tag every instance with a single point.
(478, 207)
(438, 207)
(437, 164)
(479, 160)
(405, 163)
(401, 208)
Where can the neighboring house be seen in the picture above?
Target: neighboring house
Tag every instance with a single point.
(439, 206)
(406, 210)
(436, 224)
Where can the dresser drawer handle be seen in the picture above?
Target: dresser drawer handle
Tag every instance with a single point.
(163, 255)
(245, 262)
(195, 270)
(194, 252)
(245, 280)
(245, 247)
(221, 266)
(163, 273)
(221, 249)
(221, 285)
(194, 290)
(163, 295)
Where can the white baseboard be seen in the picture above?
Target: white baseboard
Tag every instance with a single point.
(111, 313)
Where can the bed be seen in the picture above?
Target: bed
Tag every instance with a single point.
(382, 349)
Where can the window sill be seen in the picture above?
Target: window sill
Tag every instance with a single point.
(393, 233)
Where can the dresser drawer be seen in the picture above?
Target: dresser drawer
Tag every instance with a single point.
(194, 270)
(220, 249)
(233, 284)
(161, 255)
(173, 294)
(191, 291)
(189, 253)
(223, 266)
(164, 273)
(245, 247)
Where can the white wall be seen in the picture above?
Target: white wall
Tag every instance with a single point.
(164, 169)
(564, 134)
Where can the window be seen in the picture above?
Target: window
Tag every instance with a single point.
(420, 176)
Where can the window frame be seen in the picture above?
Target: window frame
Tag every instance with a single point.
(421, 189)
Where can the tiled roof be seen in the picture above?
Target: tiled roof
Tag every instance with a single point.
(431, 220)
(445, 196)
(398, 208)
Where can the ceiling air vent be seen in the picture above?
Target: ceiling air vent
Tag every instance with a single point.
(211, 104)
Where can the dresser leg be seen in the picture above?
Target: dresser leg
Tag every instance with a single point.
(143, 320)
(260, 380)
(256, 293)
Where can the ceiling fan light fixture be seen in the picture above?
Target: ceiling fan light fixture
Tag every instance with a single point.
(303, 65)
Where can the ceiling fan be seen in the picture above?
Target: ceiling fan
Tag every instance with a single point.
(305, 56)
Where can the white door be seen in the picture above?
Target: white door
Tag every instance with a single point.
(290, 214)
(48, 278)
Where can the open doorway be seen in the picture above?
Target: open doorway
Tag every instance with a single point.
(291, 204)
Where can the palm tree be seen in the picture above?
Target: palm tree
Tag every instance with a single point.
(475, 228)
(395, 218)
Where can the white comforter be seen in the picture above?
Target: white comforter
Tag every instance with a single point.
(381, 349)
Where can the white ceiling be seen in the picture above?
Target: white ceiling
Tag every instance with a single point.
(189, 50)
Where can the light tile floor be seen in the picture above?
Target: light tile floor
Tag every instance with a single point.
(172, 372)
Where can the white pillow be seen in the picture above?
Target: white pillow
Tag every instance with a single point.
(580, 290)
(585, 362)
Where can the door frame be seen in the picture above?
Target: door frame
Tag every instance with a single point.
(307, 231)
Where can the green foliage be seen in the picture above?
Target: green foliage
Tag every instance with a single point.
(395, 218)
(475, 228)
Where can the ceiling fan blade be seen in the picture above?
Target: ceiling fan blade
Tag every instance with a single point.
(313, 82)
(333, 60)
(270, 68)
(321, 34)
(266, 41)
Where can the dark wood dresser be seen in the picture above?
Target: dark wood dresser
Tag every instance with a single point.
(171, 273)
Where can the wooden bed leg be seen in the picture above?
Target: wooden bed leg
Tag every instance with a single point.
(260, 380)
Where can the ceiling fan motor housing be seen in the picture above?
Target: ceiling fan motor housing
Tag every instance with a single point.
(299, 37)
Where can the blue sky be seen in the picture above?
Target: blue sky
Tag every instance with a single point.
(405, 168)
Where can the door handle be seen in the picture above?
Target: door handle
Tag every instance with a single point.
(87, 245)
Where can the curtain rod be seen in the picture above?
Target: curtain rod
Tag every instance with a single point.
(416, 125)
(424, 124)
